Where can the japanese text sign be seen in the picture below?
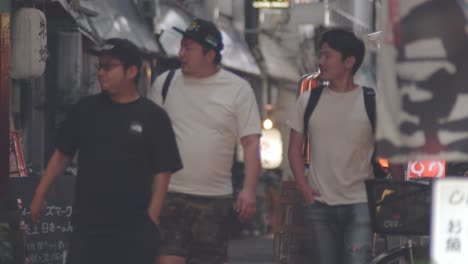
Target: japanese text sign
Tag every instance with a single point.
(449, 239)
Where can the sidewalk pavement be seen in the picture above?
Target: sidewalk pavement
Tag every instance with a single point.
(251, 250)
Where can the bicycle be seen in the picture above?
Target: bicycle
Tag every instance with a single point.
(399, 208)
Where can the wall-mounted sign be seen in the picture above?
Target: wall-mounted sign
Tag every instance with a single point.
(271, 3)
(426, 168)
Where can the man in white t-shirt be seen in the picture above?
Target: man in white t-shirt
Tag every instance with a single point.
(210, 109)
(341, 148)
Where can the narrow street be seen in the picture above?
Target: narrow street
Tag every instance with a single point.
(255, 250)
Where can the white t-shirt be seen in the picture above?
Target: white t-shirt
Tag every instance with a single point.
(341, 143)
(208, 116)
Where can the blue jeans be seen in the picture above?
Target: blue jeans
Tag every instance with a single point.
(338, 234)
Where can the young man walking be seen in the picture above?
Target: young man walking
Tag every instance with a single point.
(127, 152)
(210, 109)
(342, 145)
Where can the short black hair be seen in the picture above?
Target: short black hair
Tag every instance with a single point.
(345, 42)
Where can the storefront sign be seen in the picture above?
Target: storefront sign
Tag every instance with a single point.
(426, 168)
(449, 234)
(271, 3)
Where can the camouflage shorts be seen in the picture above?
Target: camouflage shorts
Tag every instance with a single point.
(195, 227)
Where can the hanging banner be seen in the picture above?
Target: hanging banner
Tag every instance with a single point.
(423, 81)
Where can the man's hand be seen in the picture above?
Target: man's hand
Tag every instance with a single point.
(246, 204)
(307, 193)
(160, 185)
(37, 205)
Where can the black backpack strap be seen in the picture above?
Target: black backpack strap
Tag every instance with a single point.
(166, 84)
(369, 103)
(311, 104)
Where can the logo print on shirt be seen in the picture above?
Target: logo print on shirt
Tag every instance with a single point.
(136, 128)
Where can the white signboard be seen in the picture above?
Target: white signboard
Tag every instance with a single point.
(449, 239)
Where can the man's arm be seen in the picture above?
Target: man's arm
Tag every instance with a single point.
(246, 202)
(160, 186)
(296, 161)
(56, 166)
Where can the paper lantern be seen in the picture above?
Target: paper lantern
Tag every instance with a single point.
(28, 43)
(271, 148)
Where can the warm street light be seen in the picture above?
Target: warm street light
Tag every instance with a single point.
(267, 124)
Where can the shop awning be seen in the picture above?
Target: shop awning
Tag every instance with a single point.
(113, 19)
(277, 65)
(236, 54)
(170, 39)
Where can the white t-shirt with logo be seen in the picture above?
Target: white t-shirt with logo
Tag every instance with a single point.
(208, 116)
(341, 143)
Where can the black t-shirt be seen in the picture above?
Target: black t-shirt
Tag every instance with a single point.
(120, 148)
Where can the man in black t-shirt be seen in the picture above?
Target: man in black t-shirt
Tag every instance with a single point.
(127, 152)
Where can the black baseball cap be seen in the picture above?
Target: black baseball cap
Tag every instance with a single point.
(204, 32)
(121, 49)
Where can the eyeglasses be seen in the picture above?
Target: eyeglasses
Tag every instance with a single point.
(107, 66)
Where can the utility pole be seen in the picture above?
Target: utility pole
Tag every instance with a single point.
(5, 51)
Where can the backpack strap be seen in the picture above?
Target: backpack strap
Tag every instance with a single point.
(166, 84)
(311, 104)
(369, 103)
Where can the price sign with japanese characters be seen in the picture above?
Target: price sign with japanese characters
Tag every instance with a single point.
(48, 241)
(449, 240)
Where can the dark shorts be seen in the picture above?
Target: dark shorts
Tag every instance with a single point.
(124, 245)
(196, 228)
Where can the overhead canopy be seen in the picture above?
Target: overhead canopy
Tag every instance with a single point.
(277, 64)
(114, 19)
(170, 39)
(236, 54)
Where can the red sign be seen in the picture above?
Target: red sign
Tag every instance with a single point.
(426, 168)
